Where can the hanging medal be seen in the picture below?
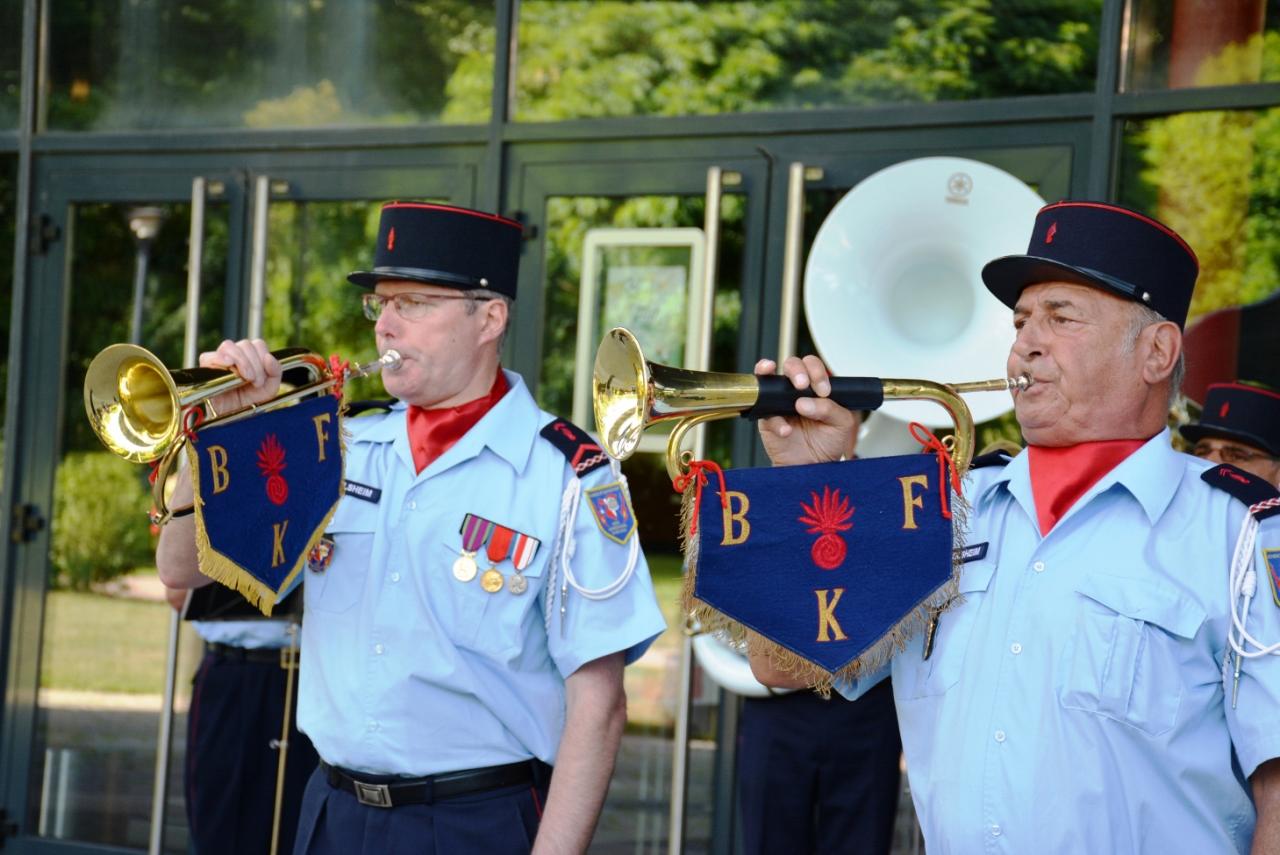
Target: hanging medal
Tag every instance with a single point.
(522, 552)
(499, 545)
(475, 531)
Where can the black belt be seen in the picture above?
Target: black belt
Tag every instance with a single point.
(386, 792)
(244, 654)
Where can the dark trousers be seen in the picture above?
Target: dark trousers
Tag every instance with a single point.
(819, 775)
(503, 821)
(237, 709)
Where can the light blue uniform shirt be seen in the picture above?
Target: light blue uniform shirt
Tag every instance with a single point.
(408, 671)
(1076, 700)
(251, 634)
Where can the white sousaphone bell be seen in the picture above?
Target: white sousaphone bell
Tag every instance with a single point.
(893, 287)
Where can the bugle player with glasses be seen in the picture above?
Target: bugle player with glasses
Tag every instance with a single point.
(1107, 681)
(1240, 425)
(480, 587)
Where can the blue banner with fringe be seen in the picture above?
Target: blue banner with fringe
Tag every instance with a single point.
(266, 487)
(837, 563)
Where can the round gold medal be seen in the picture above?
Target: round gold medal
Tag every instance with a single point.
(465, 569)
(518, 584)
(491, 580)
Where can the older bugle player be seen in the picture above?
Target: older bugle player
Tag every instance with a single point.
(1106, 682)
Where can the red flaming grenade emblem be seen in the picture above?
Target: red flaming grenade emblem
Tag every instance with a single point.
(825, 517)
(271, 463)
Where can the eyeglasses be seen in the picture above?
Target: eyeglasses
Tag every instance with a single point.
(1232, 454)
(411, 307)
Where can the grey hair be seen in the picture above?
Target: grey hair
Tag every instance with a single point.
(479, 295)
(1141, 317)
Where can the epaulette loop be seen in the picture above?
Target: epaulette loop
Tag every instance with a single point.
(356, 408)
(578, 448)
(995, 458)
(1261, 497)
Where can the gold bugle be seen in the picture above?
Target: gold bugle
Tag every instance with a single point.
(136, 405)
(629, 394)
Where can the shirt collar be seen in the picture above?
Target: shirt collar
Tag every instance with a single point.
(1151, 475)
(513, 446)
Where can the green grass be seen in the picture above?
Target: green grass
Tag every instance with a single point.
(99, 643)
(104, 644)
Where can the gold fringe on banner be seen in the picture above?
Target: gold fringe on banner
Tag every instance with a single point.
(224, 570)
(788, 661)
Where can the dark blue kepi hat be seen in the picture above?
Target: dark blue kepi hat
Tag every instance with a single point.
(1108, 247)
(1247, 414)
(443, 245)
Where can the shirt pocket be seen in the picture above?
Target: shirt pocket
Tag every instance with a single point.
(1122, 661)
(488, 623)
(945, 664)
(338, 587)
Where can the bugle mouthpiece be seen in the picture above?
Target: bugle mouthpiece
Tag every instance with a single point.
(1020, 383)
(389, 361)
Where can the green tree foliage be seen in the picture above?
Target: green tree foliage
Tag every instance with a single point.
(152, 64)
(100, 528)
(309, 302)
(582, 59)
(1214, 176)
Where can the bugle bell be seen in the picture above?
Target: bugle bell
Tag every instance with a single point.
(630, 394)
(138, 407)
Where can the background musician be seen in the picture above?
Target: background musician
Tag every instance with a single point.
(1240, 425)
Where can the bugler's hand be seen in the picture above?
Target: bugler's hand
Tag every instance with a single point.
(250, 359)
(821, 431)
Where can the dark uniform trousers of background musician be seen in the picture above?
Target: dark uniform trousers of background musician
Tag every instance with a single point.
(237, 709)
(819, 775)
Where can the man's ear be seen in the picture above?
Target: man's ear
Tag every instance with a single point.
(1164, 346)
(495, 320)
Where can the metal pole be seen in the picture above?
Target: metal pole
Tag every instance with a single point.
(701, 362)
(164, 739)
(258, 264)
(793, 250)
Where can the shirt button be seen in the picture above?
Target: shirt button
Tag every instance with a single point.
(995, 831)
(999, 736)
(372, 725)
(377, 648)
(1038, 566)
(413, 506)
(1015, 648)
(395, 577)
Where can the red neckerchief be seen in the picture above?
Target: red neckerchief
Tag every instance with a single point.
(1060, 476)
(433, 432)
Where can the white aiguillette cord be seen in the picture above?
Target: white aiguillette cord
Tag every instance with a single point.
(562, 557)
(1243, 586)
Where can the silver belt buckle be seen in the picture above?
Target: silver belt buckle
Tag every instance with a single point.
(373, 795)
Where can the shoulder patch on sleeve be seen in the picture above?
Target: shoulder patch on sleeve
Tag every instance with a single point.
(1262, 498)
(995, 458)
(357, 408)
(578, 448)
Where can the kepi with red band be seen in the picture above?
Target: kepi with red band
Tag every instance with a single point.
(1106, 246)
(444, 245)
(1244, 413)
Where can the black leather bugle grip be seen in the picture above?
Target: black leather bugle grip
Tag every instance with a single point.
(778, 397)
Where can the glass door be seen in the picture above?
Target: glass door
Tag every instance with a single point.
(673, 250)
(86, 705)
(92, 719)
